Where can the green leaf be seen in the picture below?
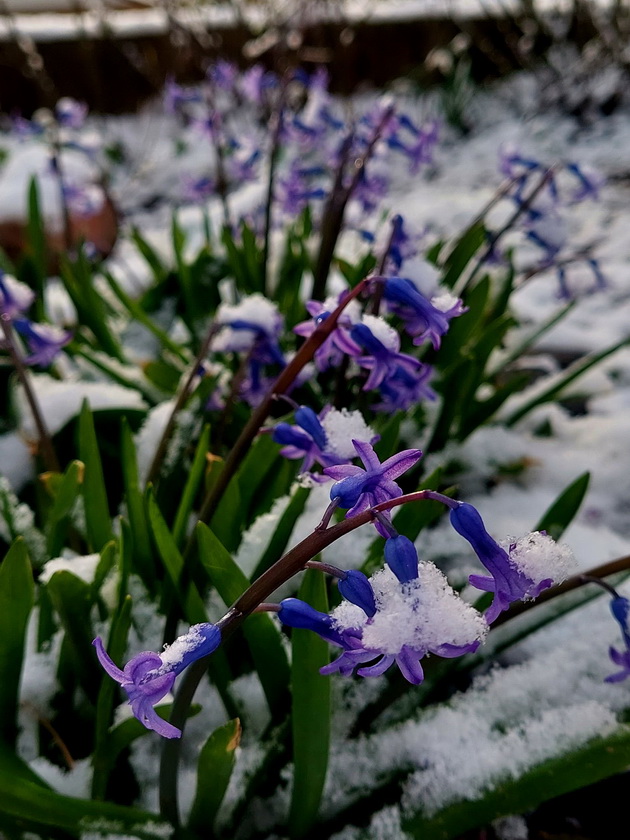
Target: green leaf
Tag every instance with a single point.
(599, 759)
(141, 540)
(26, 805)
(216, 761)
(227, 522)
(185, 590)
(158, 268)
(37, 247)
(461, 254)
(93, 312)
(261, 634)
(310, 713)
(72, 600)
(16, 603)
(116, 646)
(58, 518)
(559, 516)
(191, 487)
(97, 518)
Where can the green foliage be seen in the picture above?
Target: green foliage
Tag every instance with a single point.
(16, 602)
(310, 713)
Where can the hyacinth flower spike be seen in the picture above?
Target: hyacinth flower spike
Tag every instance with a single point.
(531, 564)
(405, 612)
(148, 677)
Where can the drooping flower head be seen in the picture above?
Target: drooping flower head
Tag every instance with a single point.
(45, 341)
(409, 612)
(423, 318)
(521, 572)
(148, 677)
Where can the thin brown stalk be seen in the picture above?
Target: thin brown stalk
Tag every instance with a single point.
(45, 444)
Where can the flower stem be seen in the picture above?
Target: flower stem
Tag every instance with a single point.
(336, 206)
(46, 448)
(258, 417)
(184, 393)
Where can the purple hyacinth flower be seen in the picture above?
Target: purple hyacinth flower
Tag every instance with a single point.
(359, 489)
(44, 341)
(338, 343)
(403, 390)
(15, 297)
(424, 319)
(412, 619)
(324, 439)
(620, 608)
(382, 344)
(148, 677)
(530, 564)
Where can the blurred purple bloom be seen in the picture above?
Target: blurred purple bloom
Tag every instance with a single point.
(381, 360)
(331, 352)
(70, 113)
(198, 189)
(15, 297)
(423, 319)
(403, 390)
(620, 608)
(148, 677)
(176, 96)
(44, 341)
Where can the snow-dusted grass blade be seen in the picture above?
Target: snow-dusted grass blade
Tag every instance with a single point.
(138, 313)
(97, 518)
(16, 602)
(599, 759)
(560, 382)
(26, 805)
(559, 516)
(65, 490)
(214, 768)
(261, 634)
(191, 487)
(310, 713)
